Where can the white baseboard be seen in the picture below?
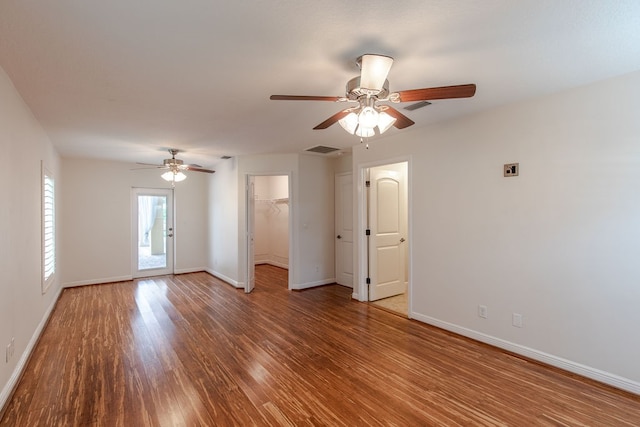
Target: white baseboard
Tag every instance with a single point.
(230, 281)
(24, 358)
(97, 281)
(559, 362)
(188, 270)
(312, 284)
(274, 263)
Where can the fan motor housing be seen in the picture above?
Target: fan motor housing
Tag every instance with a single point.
(172, 162)
(355, 92)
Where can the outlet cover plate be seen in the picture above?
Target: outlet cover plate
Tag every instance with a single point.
(482, 311)
(511, 169)
(517, 320)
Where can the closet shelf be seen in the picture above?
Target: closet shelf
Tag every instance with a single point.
(282, 200)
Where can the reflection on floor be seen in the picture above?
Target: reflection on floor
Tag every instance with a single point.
(397, 304)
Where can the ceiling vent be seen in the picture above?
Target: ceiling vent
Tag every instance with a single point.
(417, 105)
(321, 149)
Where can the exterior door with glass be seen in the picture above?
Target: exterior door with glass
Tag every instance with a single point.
(152, 223)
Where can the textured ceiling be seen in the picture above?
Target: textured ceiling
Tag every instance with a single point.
(126, 79)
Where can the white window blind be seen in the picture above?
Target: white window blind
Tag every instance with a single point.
(48, 229)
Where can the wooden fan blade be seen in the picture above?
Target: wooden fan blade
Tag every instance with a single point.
(331, 120)
(402, 121)
(196, 169)
(444, 92)
(304, 98)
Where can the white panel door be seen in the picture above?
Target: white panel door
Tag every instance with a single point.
(388, 227)
(152, 220)
(251, 263)
(344, 229)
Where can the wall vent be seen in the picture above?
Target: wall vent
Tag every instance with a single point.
(225, 157)
(321, 149)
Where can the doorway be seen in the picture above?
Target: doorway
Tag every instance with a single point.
(268, 224)
(152, 237)
(386, 244)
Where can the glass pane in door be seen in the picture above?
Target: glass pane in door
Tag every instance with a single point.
(152, 232)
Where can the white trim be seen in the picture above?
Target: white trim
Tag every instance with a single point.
(188, 270)
(273, 263)
(313, 284)
(558, 362)
(234, 283)
(7, 391)
(98, 281)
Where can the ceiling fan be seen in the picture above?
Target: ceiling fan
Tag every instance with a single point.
(175, 167)
(372, 87)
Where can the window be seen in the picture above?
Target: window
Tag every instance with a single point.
(48, 229)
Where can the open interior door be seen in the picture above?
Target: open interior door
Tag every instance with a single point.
(344, 229)
(251, 264)
(388, 231)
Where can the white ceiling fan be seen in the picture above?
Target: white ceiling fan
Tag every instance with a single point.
(175, 167)
(371, 88)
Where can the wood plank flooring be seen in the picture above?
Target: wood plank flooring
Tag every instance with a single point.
(190, 350)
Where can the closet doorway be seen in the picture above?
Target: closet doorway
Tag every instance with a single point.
(268, 224)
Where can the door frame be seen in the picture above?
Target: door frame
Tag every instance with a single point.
(170, 242)
(248, 264)
(361, 289)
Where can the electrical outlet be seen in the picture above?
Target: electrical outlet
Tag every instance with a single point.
(516, 320)
(512, 169)
(482, 311)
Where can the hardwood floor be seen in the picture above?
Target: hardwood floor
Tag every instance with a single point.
(190, 350)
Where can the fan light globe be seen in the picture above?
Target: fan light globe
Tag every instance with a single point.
(365, 132)
(172, 176)
(385, 121)
(368, 117)
(349, 122)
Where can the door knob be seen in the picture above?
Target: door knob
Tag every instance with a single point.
(402, 240)
(339, 236)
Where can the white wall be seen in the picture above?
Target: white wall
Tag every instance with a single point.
(311, 210)
(342, 163)
(23, 307)
(96, 246)
(559, 244)
(316, 221)
(223, 220)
